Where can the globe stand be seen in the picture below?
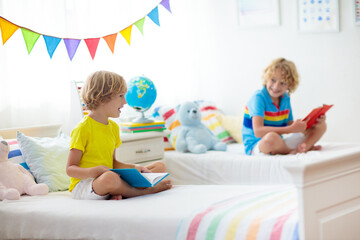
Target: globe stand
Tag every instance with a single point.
(142, 119)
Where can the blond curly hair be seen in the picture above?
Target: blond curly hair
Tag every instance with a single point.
(100, 87)
(288, 72)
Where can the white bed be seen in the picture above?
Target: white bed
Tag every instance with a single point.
(234, 167)
(325, 193)
(158, 216)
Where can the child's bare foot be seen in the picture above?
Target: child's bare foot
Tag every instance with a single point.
(162, 186)
(301, 148)
(292, 151)
(116, 197)
(316, 148)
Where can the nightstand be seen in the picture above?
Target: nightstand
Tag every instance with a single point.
(141, 147)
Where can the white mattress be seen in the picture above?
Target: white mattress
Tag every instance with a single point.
(157, 216)
(234, 167)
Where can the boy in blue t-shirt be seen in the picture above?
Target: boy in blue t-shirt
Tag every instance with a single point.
(268, 115)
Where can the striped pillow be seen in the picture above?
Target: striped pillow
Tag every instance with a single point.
(15, 154)
(208, 115)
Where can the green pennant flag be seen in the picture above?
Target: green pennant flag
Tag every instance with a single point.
(140, 25)
(30, 38)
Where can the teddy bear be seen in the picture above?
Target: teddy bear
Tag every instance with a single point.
(15, 180)
(193, 135)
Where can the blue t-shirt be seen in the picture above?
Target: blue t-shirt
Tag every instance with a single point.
(261, 104)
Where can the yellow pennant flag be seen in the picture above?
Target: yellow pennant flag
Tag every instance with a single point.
(126, 33)
(7, 29)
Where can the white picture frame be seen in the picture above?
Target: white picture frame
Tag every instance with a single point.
(258, 13)
(357, 12)
(318, 15)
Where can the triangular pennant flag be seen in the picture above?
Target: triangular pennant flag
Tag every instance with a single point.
(71, 46)
(110, 40)
(140, 25)
(92, 44)
(154, 16)
(51, 44)
(7, 29)
(126, 33)
(166, 5)
(30, 38)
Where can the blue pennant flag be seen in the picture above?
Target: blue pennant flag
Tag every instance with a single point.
(51, 44)
(154, 16)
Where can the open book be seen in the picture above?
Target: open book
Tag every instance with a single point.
(315, 113)
(136, 179)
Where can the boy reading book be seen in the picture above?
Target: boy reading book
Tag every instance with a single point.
(312, 117)
(94, 141)
(268, 116)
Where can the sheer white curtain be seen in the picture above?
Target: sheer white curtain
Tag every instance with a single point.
(35, 89)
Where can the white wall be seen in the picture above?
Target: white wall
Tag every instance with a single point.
(200, 52)
(225, 62)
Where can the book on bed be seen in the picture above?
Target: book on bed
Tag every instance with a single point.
(136, 179)
(315, 113)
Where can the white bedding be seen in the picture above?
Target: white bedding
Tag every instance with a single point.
(157, 216)
(234, 167)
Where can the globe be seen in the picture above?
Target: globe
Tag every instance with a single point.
(141, 95)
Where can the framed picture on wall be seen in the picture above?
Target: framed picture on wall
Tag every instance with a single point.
(357, 12)
(318, 15)
(258, 13)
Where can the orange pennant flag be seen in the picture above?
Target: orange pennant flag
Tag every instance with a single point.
(7, 29)
(126, 33)
(92, 44)
(110, 40)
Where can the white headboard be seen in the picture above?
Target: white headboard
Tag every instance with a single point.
(33, 131)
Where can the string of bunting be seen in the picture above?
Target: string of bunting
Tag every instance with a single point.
(30, 37)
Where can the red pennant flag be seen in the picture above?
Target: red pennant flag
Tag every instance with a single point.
(92, 44)
(110, 40)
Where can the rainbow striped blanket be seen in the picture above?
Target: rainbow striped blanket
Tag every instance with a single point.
(257, 215)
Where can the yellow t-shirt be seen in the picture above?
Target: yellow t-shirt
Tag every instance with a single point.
(97, 141)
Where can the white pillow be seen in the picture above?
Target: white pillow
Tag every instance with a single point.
(47, 158)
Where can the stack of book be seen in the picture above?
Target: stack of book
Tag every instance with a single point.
(130, 127)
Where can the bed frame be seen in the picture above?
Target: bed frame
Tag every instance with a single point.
(50, 130)
(329, 196)
(328, 190)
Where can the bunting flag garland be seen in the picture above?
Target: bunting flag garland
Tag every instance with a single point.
(30, 37)
(154, 16)
(166, 5)
(140, 25)
(51, 44)
(7, 29)
(92, 44)
(71, 46)
(126, 33)
(110, 40)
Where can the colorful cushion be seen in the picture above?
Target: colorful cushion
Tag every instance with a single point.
(208, 114)
(15, 154)
(47, 159)
(167, 145)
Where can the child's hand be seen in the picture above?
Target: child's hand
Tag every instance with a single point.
(298, 126)
(142, 168)
(98, 170)
(320, 119)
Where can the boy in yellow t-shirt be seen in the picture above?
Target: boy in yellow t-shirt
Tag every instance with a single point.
(94, 141)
